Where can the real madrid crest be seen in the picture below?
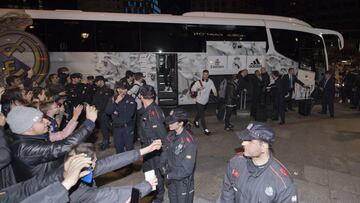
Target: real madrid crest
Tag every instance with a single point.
(21, 51)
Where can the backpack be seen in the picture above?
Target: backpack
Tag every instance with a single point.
(193, 94)
(222, 88)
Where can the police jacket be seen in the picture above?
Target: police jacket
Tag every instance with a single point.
(101, 97)
(122, 113)
(76, 94)
(245, 182)
(36, 155)
(91, 193)
(152, 124)
(179, 155)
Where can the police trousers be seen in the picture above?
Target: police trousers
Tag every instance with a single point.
(105, 127)
(123, 138)
(181, 191)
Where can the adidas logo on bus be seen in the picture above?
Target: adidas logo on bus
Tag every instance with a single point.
(255, 64)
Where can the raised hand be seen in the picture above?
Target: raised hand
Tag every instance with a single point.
(91, 113)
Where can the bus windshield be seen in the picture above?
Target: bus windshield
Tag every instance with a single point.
(305, 48)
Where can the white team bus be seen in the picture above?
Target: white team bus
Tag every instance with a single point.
(171, 50)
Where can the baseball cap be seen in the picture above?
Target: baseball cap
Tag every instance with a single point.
(100, 77)
(176, 115)
(21, 118)
(76, 75)
(257, 131)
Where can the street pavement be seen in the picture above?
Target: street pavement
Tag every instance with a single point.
(322, 153)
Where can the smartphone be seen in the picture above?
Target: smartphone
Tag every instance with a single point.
(88, 179)
(135, 196)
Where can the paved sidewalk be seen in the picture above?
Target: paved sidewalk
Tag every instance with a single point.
(323, 155)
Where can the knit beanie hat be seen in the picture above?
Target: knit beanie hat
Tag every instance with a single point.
(21, 118)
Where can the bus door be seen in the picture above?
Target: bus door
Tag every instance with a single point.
(167, 80)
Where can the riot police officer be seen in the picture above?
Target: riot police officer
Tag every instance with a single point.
(151, 127)
(122, 108)
(102, 95)
(179, 157)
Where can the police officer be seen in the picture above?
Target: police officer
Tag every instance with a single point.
(256, 176)
(151, 127)
(122, 108)
(76, 92)
(101, 97)
(179, 157)
(91, 87)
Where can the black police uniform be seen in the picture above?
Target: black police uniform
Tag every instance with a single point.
(100, 99)
(77, 94)
(151, 127)
(178, 160)
(122, 115)
(91, 91)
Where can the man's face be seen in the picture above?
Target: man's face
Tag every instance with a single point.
(253, 148)
(121, 91)
(174, 126)
(291, 71)
(99, 83)
(205, 75)
(132, 78)
(55, 79)
(17, 82)
(262, 70)
(54, 109)
(27, 95)
(75, 80)
(41, 126)
(42, 95)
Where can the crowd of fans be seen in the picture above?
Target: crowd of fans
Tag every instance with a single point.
(44, 133)
(44, 150)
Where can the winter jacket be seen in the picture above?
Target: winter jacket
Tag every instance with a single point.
(22, 190)
(36, 155)
(6, 173)
(91, 193)
(245, 182)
